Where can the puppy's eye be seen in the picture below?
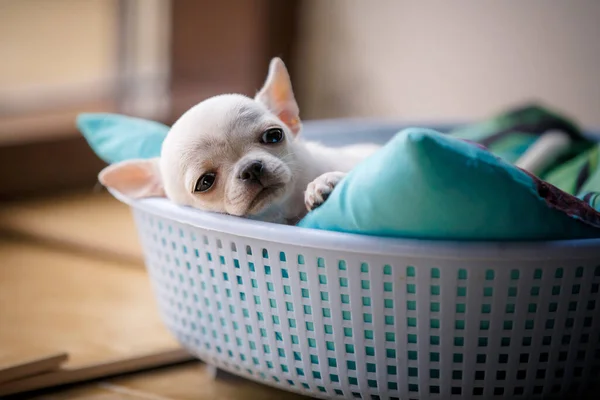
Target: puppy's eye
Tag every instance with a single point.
(205, 182)
(272, 136)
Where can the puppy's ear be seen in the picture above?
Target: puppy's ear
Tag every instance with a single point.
(134, 178)
(277, 95)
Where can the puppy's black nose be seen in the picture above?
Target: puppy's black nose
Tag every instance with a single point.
(252, 172)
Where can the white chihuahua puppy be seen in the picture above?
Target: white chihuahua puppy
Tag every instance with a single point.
(241, 156)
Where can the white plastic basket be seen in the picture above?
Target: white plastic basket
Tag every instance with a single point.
(346, 316)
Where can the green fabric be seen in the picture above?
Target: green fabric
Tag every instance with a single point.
(427, 185)
(532, 119)
(513, 146)
(116, 138)
(564, 176)
(509, 134)
(580, 176)
(591, 198)
(592, 183)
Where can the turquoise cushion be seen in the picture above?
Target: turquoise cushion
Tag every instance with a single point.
(117, 138)
(424, 184)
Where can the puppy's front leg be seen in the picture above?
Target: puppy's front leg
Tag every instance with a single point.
(318, 190)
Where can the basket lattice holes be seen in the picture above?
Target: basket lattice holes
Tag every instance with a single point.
(373, 328)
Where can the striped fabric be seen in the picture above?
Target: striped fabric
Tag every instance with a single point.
(510, 134)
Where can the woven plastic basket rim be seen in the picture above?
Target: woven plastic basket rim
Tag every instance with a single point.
(346, 242)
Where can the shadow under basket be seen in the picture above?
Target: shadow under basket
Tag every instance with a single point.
(335, 315)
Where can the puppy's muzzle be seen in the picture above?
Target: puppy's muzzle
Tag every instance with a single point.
(252, 172)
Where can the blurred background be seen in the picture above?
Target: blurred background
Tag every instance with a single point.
(72, 275)
(348, 58)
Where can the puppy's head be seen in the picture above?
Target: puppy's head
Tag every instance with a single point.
(230, 153)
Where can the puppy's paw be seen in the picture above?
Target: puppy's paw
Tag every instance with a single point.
(319, 190)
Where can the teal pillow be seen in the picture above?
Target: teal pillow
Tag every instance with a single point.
(427, 185)
(116, 138)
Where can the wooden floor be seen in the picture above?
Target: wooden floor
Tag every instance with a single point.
(72, 279)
